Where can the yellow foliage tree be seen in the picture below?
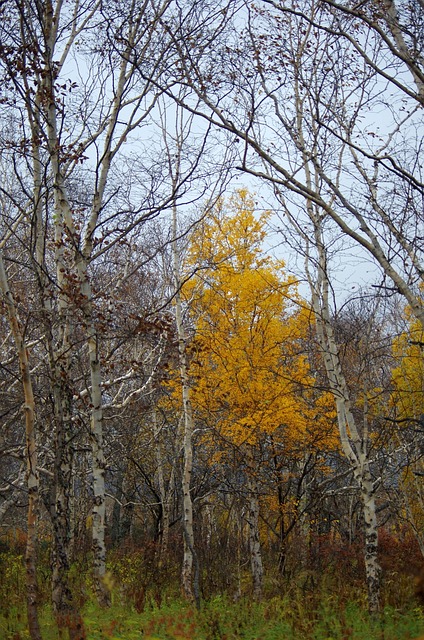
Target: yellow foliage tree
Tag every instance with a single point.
(251, 380)
(408, 376)
(252, 377)
(408, 403)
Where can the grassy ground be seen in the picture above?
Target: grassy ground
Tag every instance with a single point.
(309, 607)
(277, 618)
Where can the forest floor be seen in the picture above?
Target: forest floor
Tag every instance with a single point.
(277, 618)
(146, 605)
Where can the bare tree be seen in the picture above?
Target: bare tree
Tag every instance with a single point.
(337, 69)
(32, 479)
(75, 103)
(187, 163)
(319, 98)
(355, 441)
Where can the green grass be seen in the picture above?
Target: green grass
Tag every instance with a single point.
(278, 618)
(310, 606)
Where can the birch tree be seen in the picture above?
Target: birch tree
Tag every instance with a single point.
(32, 480)
(355, 442)
(351, 64)
(68, 81)
(188, 532)
(302, 89)
(252, 381)
(191, 162)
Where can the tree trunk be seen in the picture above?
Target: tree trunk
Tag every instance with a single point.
(254, 541)
(354, 443)
(164, 494)
(188, 580)
(67, 615)
(188, 559)
(98, 469)
(372, 568)
(31, 458)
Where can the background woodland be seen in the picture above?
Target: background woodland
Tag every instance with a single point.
(211, 276)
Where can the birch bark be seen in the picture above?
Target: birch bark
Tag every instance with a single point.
(31, 456)
(40, 109)
(165, 493)
(254, 540)
(354, 444)
(65, 227)
(189, 587)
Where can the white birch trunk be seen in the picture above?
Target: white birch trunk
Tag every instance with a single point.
(32, 479)
(354, 444)
(58, 341)
(98, 469)
(164, 494)
(254, 541)
(82, 262)
(64, 223)
(187, 576)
